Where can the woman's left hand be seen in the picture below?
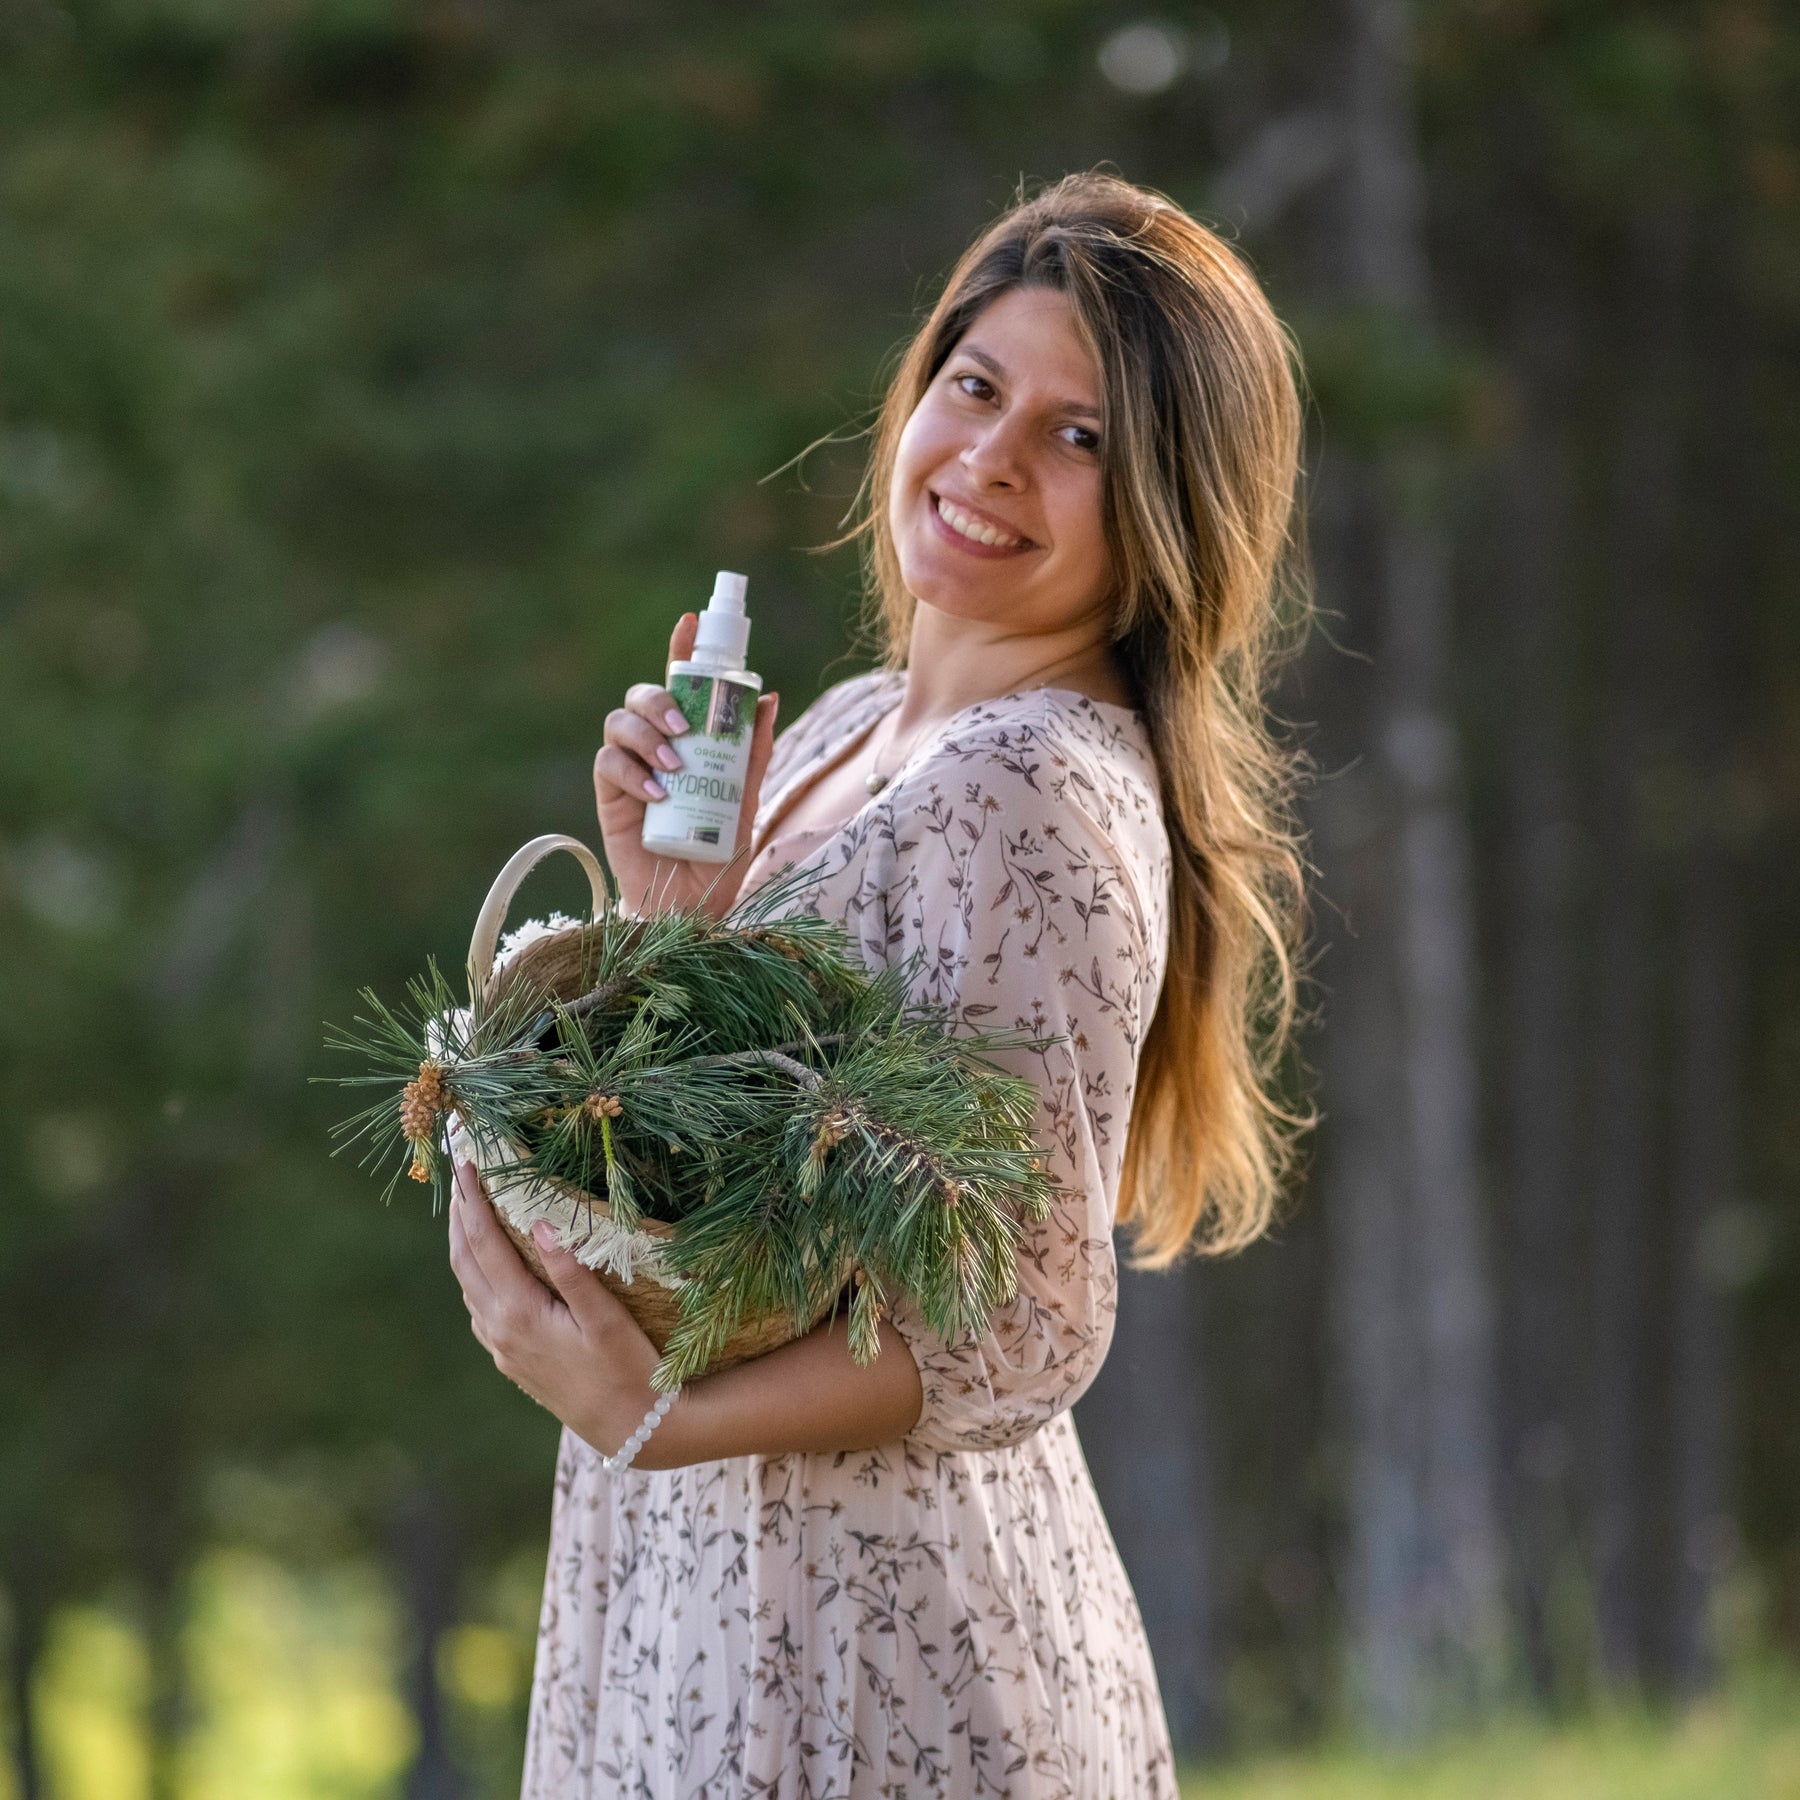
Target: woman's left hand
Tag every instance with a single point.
(581, 1356)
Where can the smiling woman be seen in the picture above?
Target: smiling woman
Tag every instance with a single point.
(1001, 461)
(1059, 811)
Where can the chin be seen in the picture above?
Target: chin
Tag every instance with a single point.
(974, 594)
(951, 582)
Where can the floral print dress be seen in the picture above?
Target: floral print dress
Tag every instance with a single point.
(945, 1616)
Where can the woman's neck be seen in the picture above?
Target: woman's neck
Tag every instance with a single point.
(952, 663)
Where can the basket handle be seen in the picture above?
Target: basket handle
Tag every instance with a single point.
(495, 907)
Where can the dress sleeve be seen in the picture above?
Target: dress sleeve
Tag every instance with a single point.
(1026, 910)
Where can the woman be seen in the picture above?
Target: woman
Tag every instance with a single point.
(819, 1579)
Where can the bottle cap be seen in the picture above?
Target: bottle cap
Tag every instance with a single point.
(724, 634)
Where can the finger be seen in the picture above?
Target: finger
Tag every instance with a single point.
(582, 1290)
(619, 791)
(462, 1257)
(476, 1291)
(681, 639)
(657, 706)
(645, 738)
(514, 1288)
(619, 776)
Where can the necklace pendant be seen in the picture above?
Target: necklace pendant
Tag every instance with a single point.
(875, 782)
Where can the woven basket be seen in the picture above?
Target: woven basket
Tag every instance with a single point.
(560, 964)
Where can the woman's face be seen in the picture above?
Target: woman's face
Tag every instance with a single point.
(995, 503)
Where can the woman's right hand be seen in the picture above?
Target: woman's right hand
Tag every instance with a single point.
(644, 734)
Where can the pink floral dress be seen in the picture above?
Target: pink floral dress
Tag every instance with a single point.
(945, 1616)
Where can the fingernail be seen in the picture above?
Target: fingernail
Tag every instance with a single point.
(674, 720)
(545, 1234)
(653, 790)
(667, 757)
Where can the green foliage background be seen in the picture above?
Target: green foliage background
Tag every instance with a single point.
(378, 381)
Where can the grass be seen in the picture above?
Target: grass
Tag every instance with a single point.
(1744, 1745)
(294, 1689)
(294, 1685)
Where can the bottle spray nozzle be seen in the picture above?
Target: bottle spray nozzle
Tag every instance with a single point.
(724, 634)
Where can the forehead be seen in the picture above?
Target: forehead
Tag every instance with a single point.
(1031, 338)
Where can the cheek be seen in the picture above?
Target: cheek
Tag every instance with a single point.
(904, 481)
(1082, 530)
(924, 444)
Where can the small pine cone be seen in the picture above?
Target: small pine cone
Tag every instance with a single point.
(597, 1106)
(423, 1103)
(418, 1171)
(776, 942)
(432, 1086)
(829, 1135)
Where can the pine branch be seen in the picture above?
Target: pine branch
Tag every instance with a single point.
(794, 1119)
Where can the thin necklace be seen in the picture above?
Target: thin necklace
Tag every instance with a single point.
(875, 781)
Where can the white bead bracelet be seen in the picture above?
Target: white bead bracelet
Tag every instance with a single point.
(626, 1454)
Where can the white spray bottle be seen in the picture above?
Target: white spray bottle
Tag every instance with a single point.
(717, 696)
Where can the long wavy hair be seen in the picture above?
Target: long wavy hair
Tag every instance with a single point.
(1200, 456)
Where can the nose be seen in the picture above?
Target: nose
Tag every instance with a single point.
(994, 457)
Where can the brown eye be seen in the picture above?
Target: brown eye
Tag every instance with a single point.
(986, 393)
(1082, 438)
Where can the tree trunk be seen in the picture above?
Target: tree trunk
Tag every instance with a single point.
(1413, 1313)
(1539, 1209)
(423, 1557)
(1143, 1428)
(1374, 1279)
(1635, 678)
(1707, 1109)
(167, 1713)
(1711, 1009)
(29, 1624)
(156, 1219)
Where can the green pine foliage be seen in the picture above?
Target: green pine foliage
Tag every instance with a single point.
(799, 1124)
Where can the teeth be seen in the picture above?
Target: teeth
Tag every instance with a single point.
(959, 521)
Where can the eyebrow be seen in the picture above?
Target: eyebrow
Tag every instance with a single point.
(1079, 408)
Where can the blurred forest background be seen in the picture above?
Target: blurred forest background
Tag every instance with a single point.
(378, 380)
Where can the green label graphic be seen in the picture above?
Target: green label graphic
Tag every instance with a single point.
(722, 709)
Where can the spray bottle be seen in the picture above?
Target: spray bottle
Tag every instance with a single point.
(717, 696)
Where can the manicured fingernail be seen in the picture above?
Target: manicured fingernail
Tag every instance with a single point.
(667, 757)
(674, 720)
(653, 790)
(545, 1234)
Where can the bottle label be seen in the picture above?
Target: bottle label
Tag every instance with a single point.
(706, 793)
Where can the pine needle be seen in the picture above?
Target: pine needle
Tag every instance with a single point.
(789, 1116)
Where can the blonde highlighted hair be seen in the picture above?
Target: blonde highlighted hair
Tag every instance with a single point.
(1200, 453)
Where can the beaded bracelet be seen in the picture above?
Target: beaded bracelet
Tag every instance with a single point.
(622, 1459)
